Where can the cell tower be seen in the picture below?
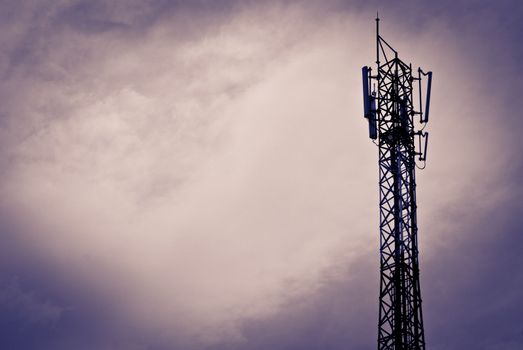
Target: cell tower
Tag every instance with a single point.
(397, 125)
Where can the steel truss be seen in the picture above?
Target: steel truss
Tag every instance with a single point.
(392, 110)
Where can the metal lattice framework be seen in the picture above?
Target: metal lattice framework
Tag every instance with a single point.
(391, 115)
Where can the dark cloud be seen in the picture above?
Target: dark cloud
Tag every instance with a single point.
(87, 17)
(472, 284)
(41, 308)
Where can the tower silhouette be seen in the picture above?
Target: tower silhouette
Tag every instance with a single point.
(396, 126)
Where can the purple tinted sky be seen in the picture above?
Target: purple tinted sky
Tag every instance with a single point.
(471, 281)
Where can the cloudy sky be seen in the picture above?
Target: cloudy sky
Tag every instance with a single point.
(197, 175)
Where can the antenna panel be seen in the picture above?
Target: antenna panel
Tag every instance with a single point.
(427, 101)
(423, 142)
(373, 129)
(366, 91)
(404, 117)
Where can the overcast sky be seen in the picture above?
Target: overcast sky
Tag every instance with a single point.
(197, 175)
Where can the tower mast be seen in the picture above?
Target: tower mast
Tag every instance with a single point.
(392, 117)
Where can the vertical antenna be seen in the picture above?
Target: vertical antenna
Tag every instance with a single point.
(377, 39)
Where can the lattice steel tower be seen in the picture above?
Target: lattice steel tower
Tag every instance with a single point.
(397, 125)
